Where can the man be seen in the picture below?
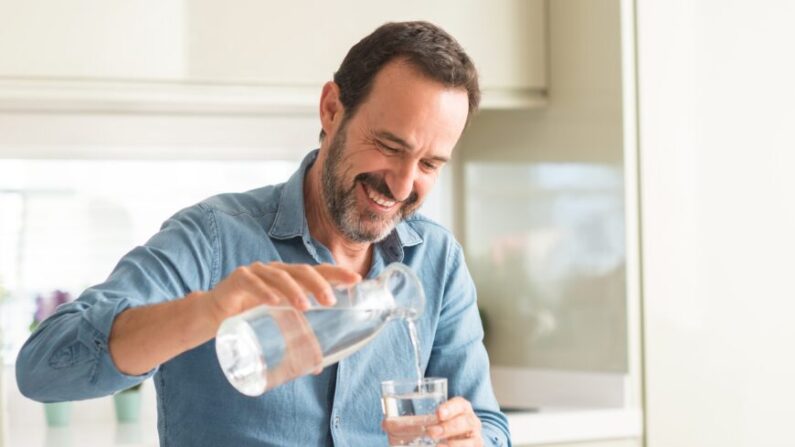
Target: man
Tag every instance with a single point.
(390, 119)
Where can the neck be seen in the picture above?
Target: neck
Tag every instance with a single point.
(356, 256)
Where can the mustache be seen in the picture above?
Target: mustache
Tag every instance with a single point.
(379, 185)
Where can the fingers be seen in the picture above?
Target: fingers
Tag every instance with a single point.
(455, 422)
(276, 284)
(250, 282)
(294, 281)
(463, 442)
(338, 275)
(280, 278)
(453, 407)
(312, 281)
(458, 423)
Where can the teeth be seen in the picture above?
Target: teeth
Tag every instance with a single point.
(379, 199)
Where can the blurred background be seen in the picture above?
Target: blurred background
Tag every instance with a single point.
(623, 197)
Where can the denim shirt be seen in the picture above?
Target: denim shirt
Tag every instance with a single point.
(67, 357)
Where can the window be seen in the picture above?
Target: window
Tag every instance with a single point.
(65, 223)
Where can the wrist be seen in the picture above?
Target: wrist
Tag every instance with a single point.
(207, 314)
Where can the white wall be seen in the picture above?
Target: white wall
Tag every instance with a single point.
(717, 150)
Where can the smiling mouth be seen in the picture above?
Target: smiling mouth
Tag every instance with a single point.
(379, 199)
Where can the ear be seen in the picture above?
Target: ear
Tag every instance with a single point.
(331, 109)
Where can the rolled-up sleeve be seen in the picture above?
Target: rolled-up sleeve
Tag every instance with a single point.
(67, 357)
(458, 352)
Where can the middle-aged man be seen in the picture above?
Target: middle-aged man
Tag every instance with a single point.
(390, 119)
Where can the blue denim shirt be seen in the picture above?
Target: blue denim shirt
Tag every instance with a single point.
(67, 358)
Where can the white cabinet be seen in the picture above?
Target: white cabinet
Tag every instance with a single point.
(303, 43)
(295, 45)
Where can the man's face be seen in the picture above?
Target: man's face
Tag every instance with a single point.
(382, 162)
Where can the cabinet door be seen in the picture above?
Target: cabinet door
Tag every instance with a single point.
(297, 43)
(305, 41)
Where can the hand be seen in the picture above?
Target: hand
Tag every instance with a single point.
(454, 423)
(276, 283)
(458, 425)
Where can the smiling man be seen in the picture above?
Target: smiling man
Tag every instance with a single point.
(390, 120)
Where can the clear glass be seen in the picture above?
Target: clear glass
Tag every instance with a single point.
(269, 345)
(412, 405)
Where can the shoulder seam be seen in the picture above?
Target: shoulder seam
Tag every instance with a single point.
(215, 241)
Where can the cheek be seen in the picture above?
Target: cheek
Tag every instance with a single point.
(365, 162)
(423, 187)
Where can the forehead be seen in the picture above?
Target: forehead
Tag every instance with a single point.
(422, 111)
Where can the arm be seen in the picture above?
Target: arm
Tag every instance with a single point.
(117, 333)
(67, 357)
(145, 337)
(142, 338)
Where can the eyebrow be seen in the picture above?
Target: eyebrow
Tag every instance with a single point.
(387, 135)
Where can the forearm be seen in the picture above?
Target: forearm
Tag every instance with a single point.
(142, 338)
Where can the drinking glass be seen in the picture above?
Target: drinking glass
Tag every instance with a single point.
(409, 407)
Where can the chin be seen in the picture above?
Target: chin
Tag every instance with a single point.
(377, 235)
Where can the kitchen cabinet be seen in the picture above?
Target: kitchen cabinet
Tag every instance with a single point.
(284, 48)
(546, 212)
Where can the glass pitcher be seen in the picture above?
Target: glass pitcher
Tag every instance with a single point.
(267, 346)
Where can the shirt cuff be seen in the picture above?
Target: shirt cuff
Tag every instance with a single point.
(94, 333)
(494, 438)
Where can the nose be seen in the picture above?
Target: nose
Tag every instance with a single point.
(401, 180)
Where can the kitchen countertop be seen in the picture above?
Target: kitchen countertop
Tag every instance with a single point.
(563, 425)
(537, 428)
(93, 424)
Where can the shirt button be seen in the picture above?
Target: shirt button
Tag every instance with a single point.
(336, 421)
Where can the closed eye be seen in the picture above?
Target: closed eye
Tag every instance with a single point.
(430, 166)
(387, 149)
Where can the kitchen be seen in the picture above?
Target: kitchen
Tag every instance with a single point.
(628, 299)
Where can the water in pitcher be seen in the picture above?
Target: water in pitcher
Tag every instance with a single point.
(280, 343)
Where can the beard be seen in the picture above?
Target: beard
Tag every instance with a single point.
(355, 225)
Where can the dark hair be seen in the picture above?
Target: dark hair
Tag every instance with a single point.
(423, 45)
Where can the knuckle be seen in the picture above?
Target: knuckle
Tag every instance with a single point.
(280, 275)
(305, 268)
(270, 297)
(296, 298)
(244, 272)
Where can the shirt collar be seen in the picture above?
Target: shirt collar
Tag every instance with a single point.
(291, 222)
